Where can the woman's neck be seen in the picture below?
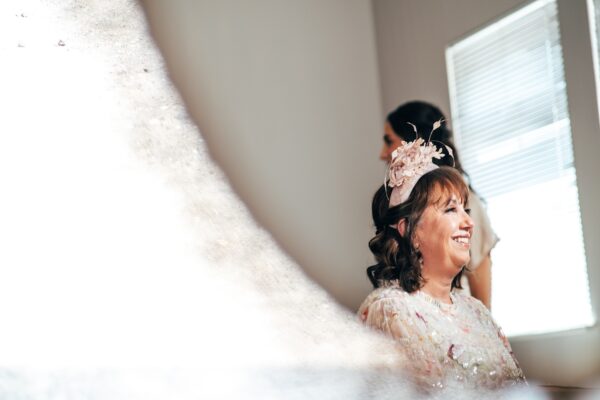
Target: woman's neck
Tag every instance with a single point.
(438, 289)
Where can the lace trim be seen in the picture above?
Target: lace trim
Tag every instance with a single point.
(439, 304)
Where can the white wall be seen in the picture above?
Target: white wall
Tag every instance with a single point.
(411, 39)
(286, 95)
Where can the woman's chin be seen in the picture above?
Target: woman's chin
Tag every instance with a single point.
(461, 262)
(465, 262)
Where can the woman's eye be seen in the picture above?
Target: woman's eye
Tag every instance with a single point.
(468, 211)
(387, 140)
(450, 209)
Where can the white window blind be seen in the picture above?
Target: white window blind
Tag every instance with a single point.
(509, 109)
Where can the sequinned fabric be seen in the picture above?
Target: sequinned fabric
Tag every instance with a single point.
(445, 344)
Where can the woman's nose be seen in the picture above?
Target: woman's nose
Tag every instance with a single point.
(385, 153)
(468, 221)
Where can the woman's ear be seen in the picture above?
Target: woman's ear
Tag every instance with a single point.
(402, 227)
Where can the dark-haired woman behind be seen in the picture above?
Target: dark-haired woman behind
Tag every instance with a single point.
(422, 246)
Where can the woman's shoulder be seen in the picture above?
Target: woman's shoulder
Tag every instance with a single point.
(478, 209)
(484, 238)
(383, 293)
(389, 297)
(475, 203)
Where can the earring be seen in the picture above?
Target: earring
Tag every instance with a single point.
(418, 253)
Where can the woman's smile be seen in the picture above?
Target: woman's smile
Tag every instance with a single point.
(463, 239)
(444, 236)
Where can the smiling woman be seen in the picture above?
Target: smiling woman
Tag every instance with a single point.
(422, 245)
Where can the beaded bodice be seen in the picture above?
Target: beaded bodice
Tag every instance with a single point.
(445, 344)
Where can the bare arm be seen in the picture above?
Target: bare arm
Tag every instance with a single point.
(480, 282)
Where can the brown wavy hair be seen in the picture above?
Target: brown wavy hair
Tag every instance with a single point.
(397, 258)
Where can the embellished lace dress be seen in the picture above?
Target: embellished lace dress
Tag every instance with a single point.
(446, 345)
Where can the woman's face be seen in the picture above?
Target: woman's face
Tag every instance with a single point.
(443, 236)
(391, 141)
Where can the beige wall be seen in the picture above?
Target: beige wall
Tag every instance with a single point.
(286, 95)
